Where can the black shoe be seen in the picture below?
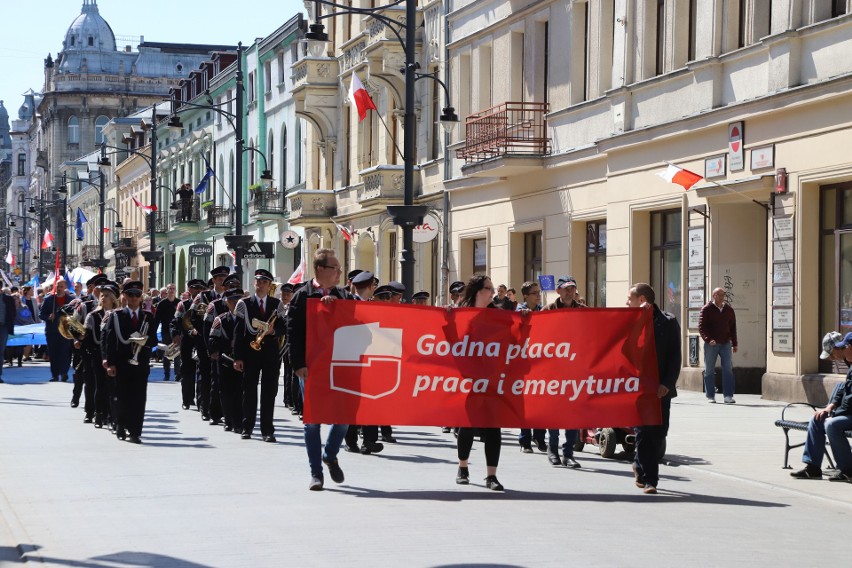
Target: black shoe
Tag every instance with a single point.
(388, 439)
(64, 378)
(270, 439)
(554, 460)
(75, 403)
(229, 428)
(810, 471)
(88, 420)
(542, 446)
(316, 483)
(185, 406)
(334, 470)
(570, 463)
(53, 379)
(368, 448)
(121, 434)
(841, 476)
(526, 449)
(215, 422)
(492, 483)
(205, 417)
(245, 435)
(134, 440)
(463, 476)
(353, 449)
(446, 430)
(20, 364)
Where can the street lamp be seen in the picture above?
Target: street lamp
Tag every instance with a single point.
(101, 185)
(44, 204)
(406, 215)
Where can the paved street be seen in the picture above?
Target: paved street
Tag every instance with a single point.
(196, 496)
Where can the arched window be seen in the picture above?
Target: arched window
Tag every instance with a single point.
(231, 175)
(298, 158)
(283, 181)
(270, 152)
(252, 163)
(73, 130)
(100, 123)
(220, 197)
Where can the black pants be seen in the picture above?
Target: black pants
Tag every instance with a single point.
(493, 443)
(202, 395)
(187, 375)
(167, 365)
(131, 388)
(649, 443)
(214, 410)
(59, 351)
(371, 434)
(262, 367)
(84, 380)
(102, 396)
(231, 387)
(186, 209)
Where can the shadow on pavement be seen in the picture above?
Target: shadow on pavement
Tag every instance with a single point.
(127, 558)
(456, 496)
(674, 460)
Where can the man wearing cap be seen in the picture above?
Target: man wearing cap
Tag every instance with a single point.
(362, 290)
(206, 393)
(832, 421)
(216, 306)
(456, 291)
(128, 361)
(163, 316)
(292, 395)
(84, 374)
(259, 365)
(717, 325)
(58, 348)
(397, 291)
(324, 285)
(94, 354)
(420, 298)
(186, 328)
(221, 344)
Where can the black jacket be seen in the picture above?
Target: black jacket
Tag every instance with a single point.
(248, 309)
(297, 319)
(118, 326)
(667, 339)
(11, 313)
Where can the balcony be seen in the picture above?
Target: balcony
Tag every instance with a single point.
(89, 253)
(316, 91)
(219, 217)
(160, 219)
(383, 185)
(125, 241)
(267, 204)
(308, 206)
(181, 226)
(513, 135)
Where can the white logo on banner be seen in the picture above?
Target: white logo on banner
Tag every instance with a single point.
(366, 360)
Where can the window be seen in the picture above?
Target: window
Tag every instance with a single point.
(393, 253)
(100, 123)
(73, 130)
(252, 163)
(480, 256)
(596, 264)
(661, 36)
(252, 88)
(693, 30)
(666, 259)
(434, 127)
(282, 70)
(347, 147)
(838, 8)
(91, 41)
(22, 164)
(267, 77)
(835, 271)
(270, 153)
(282, 182)
(532, 256)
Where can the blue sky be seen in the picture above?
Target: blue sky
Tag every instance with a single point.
(32, 30)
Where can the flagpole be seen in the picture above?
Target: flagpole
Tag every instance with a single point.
(726, 188)
(392, 137)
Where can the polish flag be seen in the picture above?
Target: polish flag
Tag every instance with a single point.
(47, 242)
(299, 275)
(346, 234)
(359, 96)
(10, 259)
(148, 209)
(680, 176)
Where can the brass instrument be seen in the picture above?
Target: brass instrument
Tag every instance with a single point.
(139, 338)
(264, 328)
(170, 351)
(70, 327)
(200, 309)
(186, 320)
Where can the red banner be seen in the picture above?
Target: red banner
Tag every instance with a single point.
(377, 363)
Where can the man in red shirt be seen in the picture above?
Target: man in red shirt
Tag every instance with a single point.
(717, 325)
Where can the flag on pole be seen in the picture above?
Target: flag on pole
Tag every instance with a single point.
(47, 241)
(106, 229)
(346, 234)
(56, 272)
(202, 185)
(359, 97)
(147, 209)
(81, 218)
(680, 176)
(298, 275)
(10, 259)
(26, 245)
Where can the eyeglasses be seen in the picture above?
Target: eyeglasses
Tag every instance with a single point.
(489, 288)
(333, 267)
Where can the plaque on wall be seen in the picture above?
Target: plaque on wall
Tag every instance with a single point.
(763, 157)
(782, 273)
(696, 278)
(692, 318)
(782, 296)
(736, 160)
(782, 341)
(783, 250)
(695, 237)
(696, 298)
(782, 318)
(714, 167)
(782, 227)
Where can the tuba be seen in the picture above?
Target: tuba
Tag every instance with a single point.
(70, 327)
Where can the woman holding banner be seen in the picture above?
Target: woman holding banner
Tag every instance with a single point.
(478, 294)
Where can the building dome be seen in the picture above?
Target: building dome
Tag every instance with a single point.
(4, 114)
(89, 32)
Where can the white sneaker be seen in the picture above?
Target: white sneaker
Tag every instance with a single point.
(730, 400)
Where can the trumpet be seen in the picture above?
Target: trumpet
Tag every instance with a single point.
(170, 351)
(139, 338)
(263, 327)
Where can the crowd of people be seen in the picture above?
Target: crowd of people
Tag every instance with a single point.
(223, 344)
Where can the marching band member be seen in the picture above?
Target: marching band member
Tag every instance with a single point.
(420, 298)
(292, 393)
(216, 306)
(163, 315)
(93, 353)
(58, 348)
(84, 374)
(128, 336)
(256, 354)
(185, 334)
(206, 396)
(392, 294)
(221, 343)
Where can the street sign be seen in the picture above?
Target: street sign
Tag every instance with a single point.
(260, 250)
(427, 231)
(200, 250)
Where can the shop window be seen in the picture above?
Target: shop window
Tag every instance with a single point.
(532, 256)
(480, 256)
(596, 264)
(666, 258)
(835, 263)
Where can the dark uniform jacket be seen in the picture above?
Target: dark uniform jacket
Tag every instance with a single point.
(215, 308)
(221, 338)
(297, 319)
(667, 338)
(188, 341)
(248, 309)
(92, 341)
(118, 328)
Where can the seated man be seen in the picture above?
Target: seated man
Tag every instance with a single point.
(833, 420)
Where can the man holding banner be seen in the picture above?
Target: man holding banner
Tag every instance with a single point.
(650, 439)
(325, 286)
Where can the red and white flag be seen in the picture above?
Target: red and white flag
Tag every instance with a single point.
(346, 233)
(148, 209)
(298, 275)
(47, 241)
(10, 259)
(680, 176)
(359, 96)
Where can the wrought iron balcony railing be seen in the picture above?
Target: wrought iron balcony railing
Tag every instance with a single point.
(508, 129)
(267, 202)
(219, 217)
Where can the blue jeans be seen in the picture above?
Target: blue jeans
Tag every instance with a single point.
(313, 442)
(725, 352)
(568, 447)
(835, 427)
